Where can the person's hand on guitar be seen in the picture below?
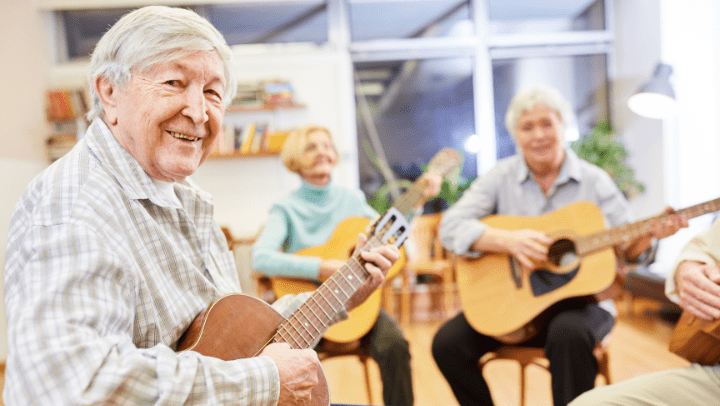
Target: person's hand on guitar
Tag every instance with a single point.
(298, 371)
(526, 245)
(377, 262)
(431, 183)
(699, 289)
(658, 230)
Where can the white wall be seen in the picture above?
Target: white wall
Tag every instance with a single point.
(637, 51)
(24, 67)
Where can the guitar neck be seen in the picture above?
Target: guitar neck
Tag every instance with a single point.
(307, 324)
(629, 232)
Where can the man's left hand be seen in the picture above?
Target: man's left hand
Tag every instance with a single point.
(377, 262)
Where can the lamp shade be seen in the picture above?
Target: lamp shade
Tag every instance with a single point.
(656, 98)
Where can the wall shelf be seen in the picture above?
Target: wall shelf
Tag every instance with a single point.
(234, 155)
(233, 108)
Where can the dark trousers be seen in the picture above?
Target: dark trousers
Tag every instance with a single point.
(391, 351)
(568, 339)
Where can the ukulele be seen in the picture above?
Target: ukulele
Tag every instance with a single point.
(237, 326)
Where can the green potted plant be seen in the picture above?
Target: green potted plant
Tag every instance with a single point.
(602, 148)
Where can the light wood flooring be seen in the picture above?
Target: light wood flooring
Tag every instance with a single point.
(639, 346)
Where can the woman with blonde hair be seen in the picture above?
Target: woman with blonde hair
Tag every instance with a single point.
(307, 218)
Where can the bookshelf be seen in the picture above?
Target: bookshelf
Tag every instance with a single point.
(252, 130)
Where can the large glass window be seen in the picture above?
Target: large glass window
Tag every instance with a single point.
(548, 16)
(240, 23)
(388, 19)
(417, 107)
(581, 79)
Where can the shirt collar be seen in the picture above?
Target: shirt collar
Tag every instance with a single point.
(132, 178)
(570, 168)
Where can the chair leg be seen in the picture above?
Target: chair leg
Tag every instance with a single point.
(405, 307)
(368, 386)
(522, 385)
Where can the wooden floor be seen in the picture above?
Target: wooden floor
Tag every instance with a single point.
(639, 346)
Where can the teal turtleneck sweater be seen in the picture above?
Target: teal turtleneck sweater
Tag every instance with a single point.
(305, 218)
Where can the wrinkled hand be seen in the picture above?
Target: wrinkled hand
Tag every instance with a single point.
(670, 226)
(378, 263)
(527, 245)
(298, 370)
(699, 289)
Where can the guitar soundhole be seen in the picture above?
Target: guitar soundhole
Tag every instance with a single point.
(562, 252)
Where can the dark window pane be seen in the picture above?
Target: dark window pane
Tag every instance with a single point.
(407, 19)
(522, 16)
(252, 23)
(582, 80)
(418, 107)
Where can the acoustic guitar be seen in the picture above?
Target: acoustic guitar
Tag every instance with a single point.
(503, 299)
(340, 246)
(238, 326)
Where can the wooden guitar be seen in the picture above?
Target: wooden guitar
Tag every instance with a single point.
(238, 326)
(503, 299)
(341, 245)
(696, 340)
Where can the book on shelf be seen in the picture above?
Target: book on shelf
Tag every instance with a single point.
(249, 94)
(258, 137)
(274, 141)
(247, 138)
(59, 144)
(277, 92)
(66, 104)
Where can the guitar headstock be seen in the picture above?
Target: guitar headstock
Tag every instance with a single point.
(445, 162)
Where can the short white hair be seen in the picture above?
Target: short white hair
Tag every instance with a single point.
(527, 99)
(151, 35)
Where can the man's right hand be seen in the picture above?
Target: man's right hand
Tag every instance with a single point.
(298, 371)
(526, 245)
(699, 289)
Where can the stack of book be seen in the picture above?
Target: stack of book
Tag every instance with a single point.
(277, 92)
(65, 111)
(249, 94)
(252, 138)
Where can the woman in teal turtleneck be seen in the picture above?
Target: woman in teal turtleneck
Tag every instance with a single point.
(307, 218)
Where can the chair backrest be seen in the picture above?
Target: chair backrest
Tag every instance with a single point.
(425, 240)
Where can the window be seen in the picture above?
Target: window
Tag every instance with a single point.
(417, 107)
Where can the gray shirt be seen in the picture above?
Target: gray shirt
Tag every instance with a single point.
(510, 189)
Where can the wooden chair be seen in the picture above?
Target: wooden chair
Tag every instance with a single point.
(526, 356)
(328, 349)
(428, 258)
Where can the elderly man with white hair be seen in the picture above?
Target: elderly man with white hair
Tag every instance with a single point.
(113, 251)
(544, 176)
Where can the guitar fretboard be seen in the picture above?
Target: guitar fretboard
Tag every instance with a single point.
(305, 326)
(628, 232)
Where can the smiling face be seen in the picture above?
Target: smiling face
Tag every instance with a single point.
(169, 116)
(539, 136)
(318, 158)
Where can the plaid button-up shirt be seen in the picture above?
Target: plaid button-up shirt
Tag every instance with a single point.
(104, 274)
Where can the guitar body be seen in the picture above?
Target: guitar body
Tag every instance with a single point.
(341, 245)
(696, 340)
(500, 298)
(239, 326)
